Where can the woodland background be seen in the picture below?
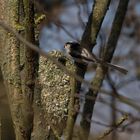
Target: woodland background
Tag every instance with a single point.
(116, 112)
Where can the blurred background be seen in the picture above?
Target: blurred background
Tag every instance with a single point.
(65, 21)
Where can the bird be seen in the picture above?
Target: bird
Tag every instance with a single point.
(82, 55)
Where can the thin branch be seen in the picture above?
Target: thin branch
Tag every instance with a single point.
(79, 14)
(101, 71)
(93, 26)
(41, 52)
(107, 132)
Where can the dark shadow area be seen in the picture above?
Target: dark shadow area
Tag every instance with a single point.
(7, 131)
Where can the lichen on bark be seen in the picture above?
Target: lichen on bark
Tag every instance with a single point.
(55, 91)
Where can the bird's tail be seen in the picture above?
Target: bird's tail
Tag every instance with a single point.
(119, 68)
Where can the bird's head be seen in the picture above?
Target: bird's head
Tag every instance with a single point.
(69, 46)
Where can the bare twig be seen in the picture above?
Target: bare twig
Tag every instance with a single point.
(107, 132)
(41, 52)
(108, 54)
(79, 14)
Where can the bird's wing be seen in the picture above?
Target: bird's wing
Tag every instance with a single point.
(89, 55)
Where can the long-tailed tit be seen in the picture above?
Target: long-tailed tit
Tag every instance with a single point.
(82, 55)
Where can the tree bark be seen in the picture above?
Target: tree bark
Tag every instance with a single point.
(54, 99)
(20, 96)
(101, 71)
(88, 41)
